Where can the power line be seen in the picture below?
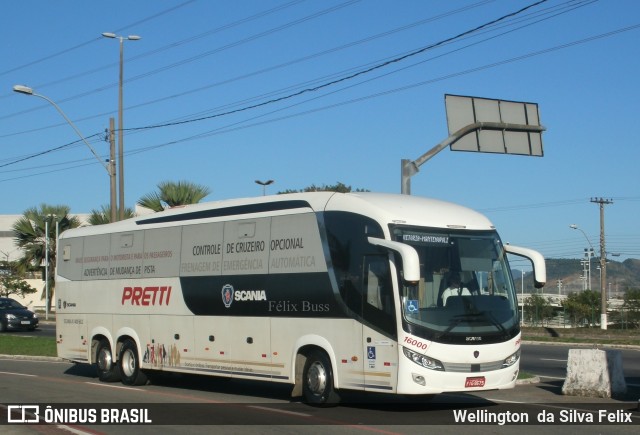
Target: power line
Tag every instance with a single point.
(569, 6)
(193, 58)
(348, 77)
(233, 79)
(226, 129)
(151, 52)
(90, 41)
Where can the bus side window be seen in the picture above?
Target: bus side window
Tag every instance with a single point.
(347, 235)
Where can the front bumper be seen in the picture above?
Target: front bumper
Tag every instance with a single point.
(22, 323)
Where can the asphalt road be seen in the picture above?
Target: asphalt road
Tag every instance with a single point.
(45, 329)
(235, 406)
(550, 361)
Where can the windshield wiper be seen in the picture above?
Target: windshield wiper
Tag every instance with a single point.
(487, 315)
(455, 322)
(492, 318)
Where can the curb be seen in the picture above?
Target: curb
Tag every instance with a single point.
(32, 358)
(590, 345)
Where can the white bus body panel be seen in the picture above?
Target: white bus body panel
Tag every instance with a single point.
(124, 280)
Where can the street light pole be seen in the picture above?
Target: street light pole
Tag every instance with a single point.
(21, 89)
(264, 185)
(589, 252)
(522, 286)
(120, 116)
(46, 262)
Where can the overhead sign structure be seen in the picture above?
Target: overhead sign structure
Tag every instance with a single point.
(484, 125)
(464, 111)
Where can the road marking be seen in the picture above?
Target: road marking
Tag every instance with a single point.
(282, 411)
(551, 359)
(18, 374)
(122, 387)
(77, 430)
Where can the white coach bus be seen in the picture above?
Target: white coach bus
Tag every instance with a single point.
(325, 291)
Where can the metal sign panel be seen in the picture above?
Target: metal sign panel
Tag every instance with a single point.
(463, 111)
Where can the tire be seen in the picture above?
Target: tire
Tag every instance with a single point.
(129, 363)
(317, 381)
(108, 369)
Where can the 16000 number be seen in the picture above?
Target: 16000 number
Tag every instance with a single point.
(416, 343)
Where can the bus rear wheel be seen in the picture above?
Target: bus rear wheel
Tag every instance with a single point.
(108, 369)
(130, 364)
(317, 386)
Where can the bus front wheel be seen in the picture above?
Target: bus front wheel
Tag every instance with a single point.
(130, 364)
(317, 378)
(108, 369)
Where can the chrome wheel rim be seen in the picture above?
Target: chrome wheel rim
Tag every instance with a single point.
(317, 378)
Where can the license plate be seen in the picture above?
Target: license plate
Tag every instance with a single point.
(474, 382)
(25, 322)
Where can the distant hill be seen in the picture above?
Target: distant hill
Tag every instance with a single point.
(620, 276)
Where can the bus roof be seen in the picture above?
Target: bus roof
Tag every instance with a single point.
(384, 207)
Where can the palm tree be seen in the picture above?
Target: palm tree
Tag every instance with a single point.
(30, 234)
(103, 216)
(174, 194)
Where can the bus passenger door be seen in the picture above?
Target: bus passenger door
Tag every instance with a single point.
(379, 327)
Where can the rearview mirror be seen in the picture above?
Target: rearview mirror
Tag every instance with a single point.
(410, 259)
(537, 260)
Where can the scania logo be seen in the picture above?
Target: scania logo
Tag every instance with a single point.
(476, 354)
(474, 338)
(227, 295)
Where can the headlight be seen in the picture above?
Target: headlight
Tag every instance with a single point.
(424, 361)
(508, 362)
(11, 317)
(35, 315)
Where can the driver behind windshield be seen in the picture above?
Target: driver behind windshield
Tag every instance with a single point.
(454, 288)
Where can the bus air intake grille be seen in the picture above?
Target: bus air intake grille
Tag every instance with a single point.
(473, 368)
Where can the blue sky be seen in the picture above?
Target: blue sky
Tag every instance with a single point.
(579, 60)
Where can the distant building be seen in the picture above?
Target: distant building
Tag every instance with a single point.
(10, 252)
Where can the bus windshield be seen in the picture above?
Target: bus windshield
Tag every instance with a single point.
(465, 293)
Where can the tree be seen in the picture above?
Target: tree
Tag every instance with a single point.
(11, 283)
(632, 306)
(537, 309)
(103, 216)
(174, 194)
(583, 307)
(31, 236)
(338, 187)
(14, 285)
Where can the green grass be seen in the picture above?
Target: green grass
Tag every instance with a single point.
(525, 375)
(32, 346)
(594, 336)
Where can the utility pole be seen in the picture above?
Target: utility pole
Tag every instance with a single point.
(112, 165)
(603, 262)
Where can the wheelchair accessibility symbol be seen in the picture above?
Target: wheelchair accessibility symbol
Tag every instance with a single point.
(412, 306)
(371, 352)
